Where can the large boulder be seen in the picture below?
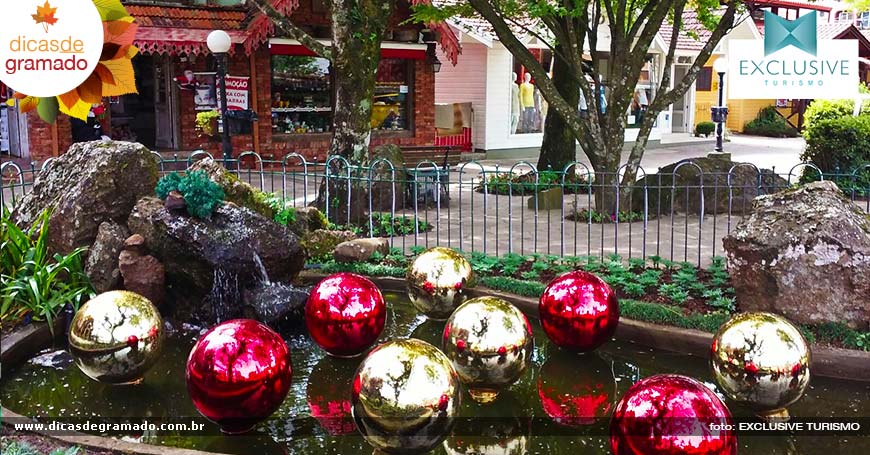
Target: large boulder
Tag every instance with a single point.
(307, 219)
(670, 187)
(235, 190)
(142, 273)
(272, 303)
(231, 244)
(804, 253)
(320, 244)
(93, 182)
(102, 263)
(361, 250)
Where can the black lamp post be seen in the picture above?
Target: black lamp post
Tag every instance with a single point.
(719, 113)
(219, 43)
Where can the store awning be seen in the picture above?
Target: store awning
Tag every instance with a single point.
(410, 51)
(175, 41)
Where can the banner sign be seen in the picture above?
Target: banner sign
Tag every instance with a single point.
(238, 93)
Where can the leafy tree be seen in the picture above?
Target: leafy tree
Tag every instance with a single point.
(571, 28)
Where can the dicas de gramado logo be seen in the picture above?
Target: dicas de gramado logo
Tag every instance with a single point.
(792, 63)
(49, 47)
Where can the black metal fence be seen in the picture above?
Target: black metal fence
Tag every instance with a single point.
(680, 215)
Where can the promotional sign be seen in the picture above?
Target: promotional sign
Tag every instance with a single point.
(48, 49)
(238, 89)
(792, 63)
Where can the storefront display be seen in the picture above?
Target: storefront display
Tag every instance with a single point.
(528, 106)
(302, 95)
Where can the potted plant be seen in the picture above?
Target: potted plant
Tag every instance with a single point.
(207, 122)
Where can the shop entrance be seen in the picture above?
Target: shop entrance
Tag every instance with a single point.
(151, 117)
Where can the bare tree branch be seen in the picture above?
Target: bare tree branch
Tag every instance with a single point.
(290, 29)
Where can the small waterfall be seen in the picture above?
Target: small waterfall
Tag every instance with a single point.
(225, 295)
(264, 276)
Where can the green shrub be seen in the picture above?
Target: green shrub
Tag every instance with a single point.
(33, 281)
(201, 194)
(820, 110)
(506, 183)
(840, 145)
(769, 123)
(705, 129)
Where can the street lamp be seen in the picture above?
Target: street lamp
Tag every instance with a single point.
(219, 43)
(720, 112)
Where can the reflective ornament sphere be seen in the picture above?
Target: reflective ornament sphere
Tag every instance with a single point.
(116, 337)
(762, 361)
(576, 390)
(328, 394)
(489, 342)
(579, 311)
(437, 282)
(345, 314)
(405, 397)
(238, 374)
(673, 415)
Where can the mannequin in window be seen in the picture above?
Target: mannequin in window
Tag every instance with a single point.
(527, 101)
(515, 104)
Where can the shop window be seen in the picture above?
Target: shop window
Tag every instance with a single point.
(528, 107)
(301, 94)
(393, 95)
(704, 83)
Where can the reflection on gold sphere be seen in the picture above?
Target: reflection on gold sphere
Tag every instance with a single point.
(489, 341)
(405, 397)
(761, 360)
(437, 282)
(116, 337)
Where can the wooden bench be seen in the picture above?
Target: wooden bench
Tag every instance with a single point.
(440, 155)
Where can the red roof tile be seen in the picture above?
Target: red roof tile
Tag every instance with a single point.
(186, 17)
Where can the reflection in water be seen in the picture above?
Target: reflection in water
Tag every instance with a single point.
(576, 390)
(328, 393)
(46, 391)
(497, 428)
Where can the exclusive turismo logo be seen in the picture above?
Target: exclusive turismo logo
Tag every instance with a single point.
(792, 63)
(49, 47)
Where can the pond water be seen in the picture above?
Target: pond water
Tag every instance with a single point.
(520, 421)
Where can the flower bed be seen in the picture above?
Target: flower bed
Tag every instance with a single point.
(655, 290)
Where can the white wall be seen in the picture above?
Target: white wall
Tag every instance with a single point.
(465, 83)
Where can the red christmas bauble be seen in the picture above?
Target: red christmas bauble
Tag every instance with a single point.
(345, 314)
(576, 390)
(238, 374)
(328, 395)
(579, 311)
(673, 415)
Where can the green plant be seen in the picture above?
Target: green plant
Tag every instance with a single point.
(839, 146)
(705, 129)
(201, 194)
(595, 217)
(33, 281)
(285, 213)
(769, 123)
(506, 183)
(821, 110)
(674, 292)
(204, 122)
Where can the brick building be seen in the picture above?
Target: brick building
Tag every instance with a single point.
(290, 88)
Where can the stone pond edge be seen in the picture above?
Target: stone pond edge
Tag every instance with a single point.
(24, 342)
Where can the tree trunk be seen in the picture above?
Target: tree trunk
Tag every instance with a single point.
(358, 28)
(560, 146)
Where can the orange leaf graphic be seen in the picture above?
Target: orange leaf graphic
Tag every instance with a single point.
(124, 78)
(45, 15)
(91, 91)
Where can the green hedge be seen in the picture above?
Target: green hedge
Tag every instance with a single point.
(820, 110)
(839, 145)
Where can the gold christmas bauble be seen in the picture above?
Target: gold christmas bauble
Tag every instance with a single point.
(489, 341)
(405, 397)
(762, 361)
(116, 337)
(437, 282)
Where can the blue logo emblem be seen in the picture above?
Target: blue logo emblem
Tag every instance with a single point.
(780, 33)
